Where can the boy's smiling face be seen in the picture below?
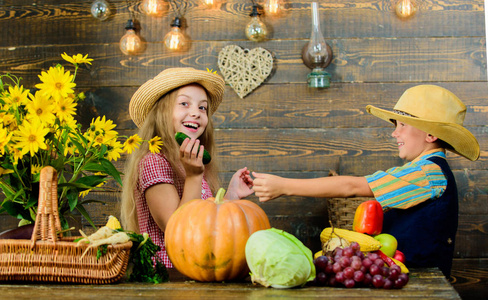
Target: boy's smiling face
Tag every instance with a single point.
(411, 141)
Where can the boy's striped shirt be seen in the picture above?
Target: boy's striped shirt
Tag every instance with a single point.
(410, 184)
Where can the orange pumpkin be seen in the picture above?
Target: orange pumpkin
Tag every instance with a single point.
(205, 239)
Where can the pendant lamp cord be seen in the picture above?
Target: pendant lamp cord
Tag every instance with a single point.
(180, 10)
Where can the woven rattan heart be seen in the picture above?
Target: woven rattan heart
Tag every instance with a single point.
(243, 69)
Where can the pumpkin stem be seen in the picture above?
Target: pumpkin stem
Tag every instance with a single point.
(220, 196)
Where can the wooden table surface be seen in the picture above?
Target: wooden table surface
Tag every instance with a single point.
(423, 284)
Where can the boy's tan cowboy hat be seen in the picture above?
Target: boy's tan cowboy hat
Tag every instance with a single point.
(151, 91)
(437, 111)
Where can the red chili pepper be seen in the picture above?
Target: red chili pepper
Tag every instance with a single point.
(368, 218)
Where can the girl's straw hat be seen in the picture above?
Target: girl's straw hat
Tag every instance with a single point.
(437, 111)
(151, 91)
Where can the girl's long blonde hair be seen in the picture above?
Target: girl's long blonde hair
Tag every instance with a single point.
(159, 122)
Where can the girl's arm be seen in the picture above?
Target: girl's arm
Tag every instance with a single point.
(163, 199)
(240, 185)
(267, 187)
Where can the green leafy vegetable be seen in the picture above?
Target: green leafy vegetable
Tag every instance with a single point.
(141, 265)
(101, 250)
(278, 259)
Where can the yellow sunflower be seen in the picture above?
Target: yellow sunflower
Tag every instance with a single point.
(9, 121)
(5, 137)
(132, 143)
(16, 96)
(114, 150)
(15, 153)
(155, 144)
(65, 108)
(5, 171)
(42, 108)
(56, 83)
(77, 59)
(30, 137)
(101, 130)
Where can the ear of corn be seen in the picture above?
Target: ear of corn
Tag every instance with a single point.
(366, 242)
(113, 223)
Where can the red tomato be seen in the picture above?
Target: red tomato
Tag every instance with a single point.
(368, 218)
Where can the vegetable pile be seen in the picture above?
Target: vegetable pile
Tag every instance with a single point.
(205, 239)
(144, 265)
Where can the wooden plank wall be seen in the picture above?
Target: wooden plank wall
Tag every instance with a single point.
(283, 127)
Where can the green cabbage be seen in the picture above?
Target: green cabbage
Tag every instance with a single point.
(278, 259)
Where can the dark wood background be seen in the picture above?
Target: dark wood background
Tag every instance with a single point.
(283, 127)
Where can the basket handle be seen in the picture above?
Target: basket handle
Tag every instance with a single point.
(47, 218)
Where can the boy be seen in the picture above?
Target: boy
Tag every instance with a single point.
(419, 198)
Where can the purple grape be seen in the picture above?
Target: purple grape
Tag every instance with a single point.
(345, 261)
(329, 269)
(374, 270)
(354, 246)
(349, 283)
(356, 264)
(340, 277)
(393, 274)
(321, 262)
(358, 276)
(378, 281)
(379, 262)
(396, 267)
(348, 252)
(367, 262)
(367, 279)
(332, 281)
(404, 276)
(388, 284)
(373, 256)
(399, 283)
(336, 267)
(321, 278)
(385, 271)
(348, 272)
(338, 251)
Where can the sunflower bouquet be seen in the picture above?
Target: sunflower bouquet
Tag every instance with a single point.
(39, 128)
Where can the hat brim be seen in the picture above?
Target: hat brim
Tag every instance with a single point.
(459, 138)
(151, 91)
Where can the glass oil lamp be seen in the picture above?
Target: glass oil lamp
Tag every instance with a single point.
(317, 54)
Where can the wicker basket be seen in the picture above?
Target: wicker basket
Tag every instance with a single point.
(341, 210)
(48, 257)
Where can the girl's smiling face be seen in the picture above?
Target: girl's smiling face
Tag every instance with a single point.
(411, 141)
(190, 111)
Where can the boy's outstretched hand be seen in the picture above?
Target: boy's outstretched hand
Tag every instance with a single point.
(267, 186)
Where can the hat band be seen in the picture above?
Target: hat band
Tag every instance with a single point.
(399, 112)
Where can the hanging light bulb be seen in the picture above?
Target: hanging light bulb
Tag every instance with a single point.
(317, 54)
(154, 8)
(405, 8)
(209, 3)
(273, 7)
(100, 9)
(175, 40)
(256, 31)
(130, 43)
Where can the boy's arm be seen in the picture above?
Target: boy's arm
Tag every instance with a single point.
(267, 187)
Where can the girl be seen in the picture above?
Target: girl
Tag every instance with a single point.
(156, 184)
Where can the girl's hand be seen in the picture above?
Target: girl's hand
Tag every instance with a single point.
(267, 186)
(191, 155)
(240, 185)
